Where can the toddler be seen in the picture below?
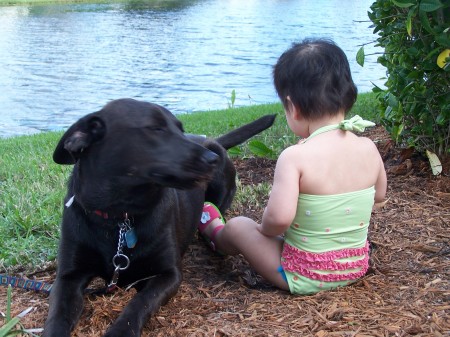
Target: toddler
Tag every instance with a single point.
(313, 234)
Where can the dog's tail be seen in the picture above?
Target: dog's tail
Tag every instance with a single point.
(245, 132)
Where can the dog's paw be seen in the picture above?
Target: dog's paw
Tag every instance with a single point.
(121, 330)
(120, 334)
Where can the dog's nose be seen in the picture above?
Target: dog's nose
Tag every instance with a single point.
(210, 157)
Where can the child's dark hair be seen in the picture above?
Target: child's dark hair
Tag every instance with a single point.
(315, 74)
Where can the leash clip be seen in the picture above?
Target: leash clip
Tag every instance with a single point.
(113, 284)
(120, 260)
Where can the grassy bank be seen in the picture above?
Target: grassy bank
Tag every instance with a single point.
(32, 187)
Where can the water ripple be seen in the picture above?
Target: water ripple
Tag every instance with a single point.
(62, 61)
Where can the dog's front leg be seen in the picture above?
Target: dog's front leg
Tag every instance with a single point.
(66, 305)
(156, 292)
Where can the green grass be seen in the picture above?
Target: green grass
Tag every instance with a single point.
(32, 187)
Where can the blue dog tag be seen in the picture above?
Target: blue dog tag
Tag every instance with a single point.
(131, 238)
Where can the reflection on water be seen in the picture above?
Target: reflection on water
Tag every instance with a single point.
(61, 61)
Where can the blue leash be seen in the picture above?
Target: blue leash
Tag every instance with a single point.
(45, 287)
(18, 282)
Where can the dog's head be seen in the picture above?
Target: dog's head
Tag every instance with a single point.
(134, 143)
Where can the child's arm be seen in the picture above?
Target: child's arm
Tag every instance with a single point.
(381, 183)
(282, 205)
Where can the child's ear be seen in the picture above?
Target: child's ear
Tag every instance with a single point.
(292, 109)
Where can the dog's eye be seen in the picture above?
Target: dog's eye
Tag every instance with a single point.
(155, 128)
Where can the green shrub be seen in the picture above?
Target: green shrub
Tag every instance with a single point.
(416, 104)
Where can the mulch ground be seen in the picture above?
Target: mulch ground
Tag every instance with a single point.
(405, 293)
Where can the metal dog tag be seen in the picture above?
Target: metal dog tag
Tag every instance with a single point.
(131, 238)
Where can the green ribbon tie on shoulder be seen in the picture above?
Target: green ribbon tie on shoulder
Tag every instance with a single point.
(356, 123)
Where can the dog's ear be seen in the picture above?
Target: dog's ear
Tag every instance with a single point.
(77, 138)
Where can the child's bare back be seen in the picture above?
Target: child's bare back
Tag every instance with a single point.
(337, 162)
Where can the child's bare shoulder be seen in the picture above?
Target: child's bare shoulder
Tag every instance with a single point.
(365, 148)
(367, 142)
(289, 152)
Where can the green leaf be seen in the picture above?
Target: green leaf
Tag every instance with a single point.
(392, 101)
(425, 22)
(409, 21)
(443, 39)
(414, 75)
(440, 119)
(388, 113)
(430, 5)
(235, 151)
(432, 53)
(360, 56)
(398, 132)
(6, 329)
(412, 51)
(403, 3)
(376, 88)
(259, 148)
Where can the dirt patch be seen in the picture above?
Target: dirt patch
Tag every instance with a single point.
(405, 293)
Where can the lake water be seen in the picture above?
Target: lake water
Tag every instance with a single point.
(61, 61)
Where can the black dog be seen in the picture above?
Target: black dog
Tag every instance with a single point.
(134, 200)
